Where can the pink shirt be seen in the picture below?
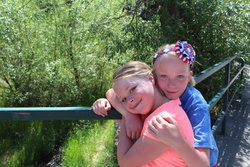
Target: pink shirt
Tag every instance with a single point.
(170, 158)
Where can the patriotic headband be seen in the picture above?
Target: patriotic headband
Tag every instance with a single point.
(182, 49)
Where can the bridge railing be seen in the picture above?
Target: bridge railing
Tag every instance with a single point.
(223, 92)
(86, 113)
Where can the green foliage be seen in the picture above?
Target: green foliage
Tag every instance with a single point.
(52, 54)
(218, 32)
(64, 52)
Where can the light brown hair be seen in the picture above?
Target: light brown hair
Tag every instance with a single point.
(133, 68)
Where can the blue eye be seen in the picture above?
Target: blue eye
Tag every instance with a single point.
(180, 76)
(132, 90)
(163, 76)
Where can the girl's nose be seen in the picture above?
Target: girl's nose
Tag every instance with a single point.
(130, 99)
(171, 82)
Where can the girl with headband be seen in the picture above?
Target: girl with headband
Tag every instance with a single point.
(172, 71)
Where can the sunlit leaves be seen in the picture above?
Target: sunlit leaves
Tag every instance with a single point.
(44, 48)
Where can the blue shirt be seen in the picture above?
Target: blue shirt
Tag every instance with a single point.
(197, 111)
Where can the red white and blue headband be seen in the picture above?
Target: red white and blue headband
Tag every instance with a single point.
(182, 49)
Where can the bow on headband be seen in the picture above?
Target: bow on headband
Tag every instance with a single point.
(182, 49)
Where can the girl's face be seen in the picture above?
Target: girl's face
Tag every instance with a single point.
(136, 93)
(172, 75)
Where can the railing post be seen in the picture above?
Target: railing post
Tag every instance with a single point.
(225, 107)
(242, 64)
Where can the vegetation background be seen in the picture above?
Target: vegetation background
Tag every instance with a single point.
(63, 53)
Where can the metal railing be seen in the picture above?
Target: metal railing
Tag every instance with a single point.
(54, 113)
(86, 113)
(220, 121)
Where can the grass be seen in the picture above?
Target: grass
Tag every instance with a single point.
(92, 146)
(28, 143)
(25, 146)
(83, 143)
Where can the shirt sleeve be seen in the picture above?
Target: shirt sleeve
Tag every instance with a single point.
(199, 116)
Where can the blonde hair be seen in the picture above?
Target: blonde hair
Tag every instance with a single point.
(133, 68)
(168, 46)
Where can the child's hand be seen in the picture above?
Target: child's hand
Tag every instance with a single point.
(166, 130)
(133, 125)
(101, 107)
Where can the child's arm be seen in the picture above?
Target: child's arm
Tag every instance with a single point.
(132, 121)
(166, 130)
(141, 152)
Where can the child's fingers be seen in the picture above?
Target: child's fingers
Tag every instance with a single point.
(157, 121)
(152, 130)
(153, 126)
(103, 108)
(100, 107)
(137, 135)
(169, 119)
(133, 136)
(129, 134)
(95, 108)
(108, 106)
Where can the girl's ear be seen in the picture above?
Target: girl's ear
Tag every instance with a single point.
(151, 78)
(190, 75)
(191, 81)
